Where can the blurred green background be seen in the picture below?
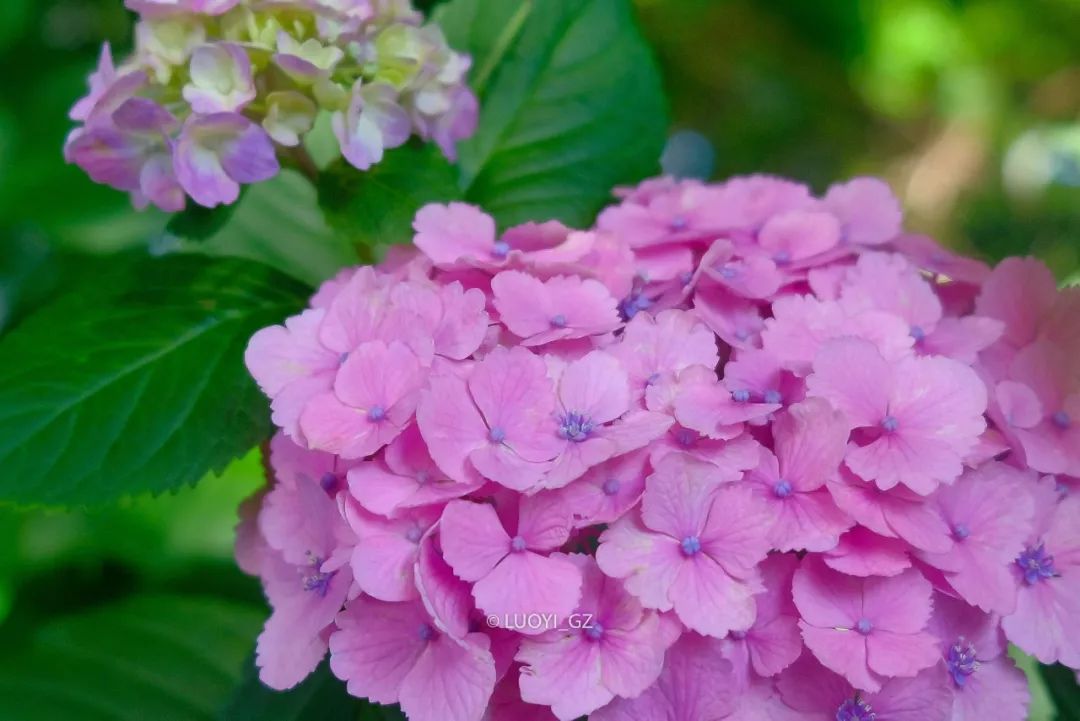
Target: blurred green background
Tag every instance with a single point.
(969, 108)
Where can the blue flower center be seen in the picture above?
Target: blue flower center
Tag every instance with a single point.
(782, 257)
(611, 486)
(496, 435)
(686, 437)
(690, 545)
(889, 424)
(1062, 420)
(426, 632)
(679, 222)
(414, 534)
(329, 482)
(517, 544)
(376, 414)
(558, 321)
(740, 396)
(500, 249)
(1036, 564)
(961, 661)
(960, 531)
(855, 709)
(864, 626)
(315, 580)
(917, 333)
(782, 488)
(595, 631)
(772, 396)
(575, 427)
(728, 272)
(632, 304)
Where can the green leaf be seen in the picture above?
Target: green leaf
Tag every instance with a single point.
(136, 384)
(1061, 682)
(321, 697)
(279, 223)
(571, 103)
(167, 658)
(376, 207)
(198, 223)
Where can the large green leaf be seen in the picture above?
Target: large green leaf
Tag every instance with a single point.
(321, 697)
(571, 105)
(159, 658)
(376, 208)
(1061, 682)
(137, 383)
(279, 223)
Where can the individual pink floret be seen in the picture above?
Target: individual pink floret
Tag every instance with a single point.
(595, 419)
(694, 686)
(500, 421)
(694, 548)
(986, 684)
(610, 647)
(809, 442)
(375, 394)
(507, 561)
(810, 688)
(914, 419)
(865, 629)
(391, 653)
(560, 308)
(989, 512)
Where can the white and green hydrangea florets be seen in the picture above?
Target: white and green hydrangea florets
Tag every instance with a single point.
(216, 90)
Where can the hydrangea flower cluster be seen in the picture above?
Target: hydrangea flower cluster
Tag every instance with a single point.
(736, 452)
(217, 90)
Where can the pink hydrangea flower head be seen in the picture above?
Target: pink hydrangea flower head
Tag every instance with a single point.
(694, 548)
(914, 419)
(509, 565)
(865, 629)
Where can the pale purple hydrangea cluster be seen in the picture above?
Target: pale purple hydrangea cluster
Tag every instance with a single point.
(217, 91)
(737, 452)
